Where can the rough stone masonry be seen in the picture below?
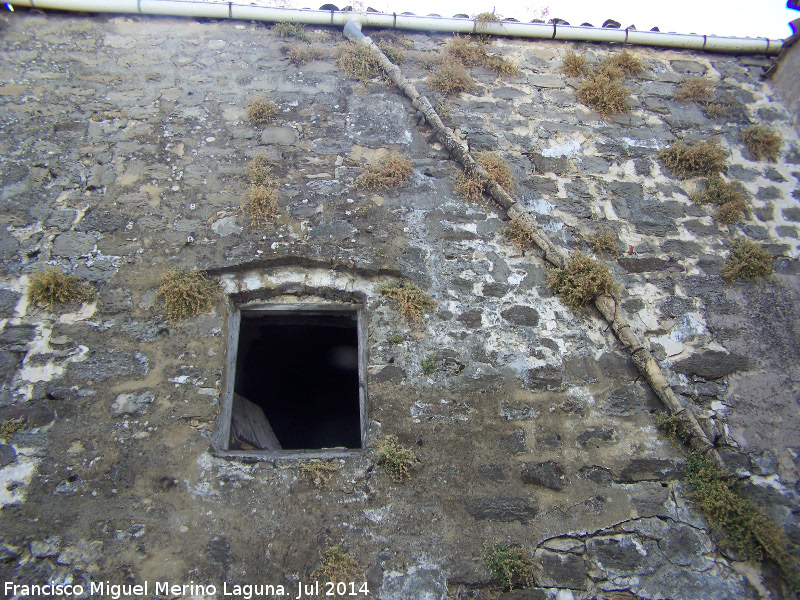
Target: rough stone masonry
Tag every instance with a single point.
(122, 137)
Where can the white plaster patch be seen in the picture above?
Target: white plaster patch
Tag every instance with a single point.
(15, 477)
(569, 149)
(376, 515)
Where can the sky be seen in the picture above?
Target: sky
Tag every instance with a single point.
(737, 18)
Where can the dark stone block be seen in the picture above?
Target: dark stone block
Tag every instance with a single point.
(769, 193)
(765, 213)
(504, 509)
(513, 443)
(8, 244)
(791, 214)
(599, 433)
(17, 334)
(471, 319)
(388, 373)
(711, 364)
(495, 290)
(548, 474)
(9, 364)
(493, 473)
(105, 364)
(773, 174)
(7, 455)
(740, 173)
(526, 594)
(546, 377)
(633, 305)
(680, 248)
(688, 66)
(8, 302)
(650, 469)
(597, 474)
(549, 164)
(675, 306)
(623, 554)
(101, 220)
(557, 570)
(629, 399)
(521, 315)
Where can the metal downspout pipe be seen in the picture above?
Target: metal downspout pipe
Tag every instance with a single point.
(232, 10)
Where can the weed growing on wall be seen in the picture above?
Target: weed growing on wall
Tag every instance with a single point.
(392, 172)
(260, 202)
(318, 472)
(299, 54)
(411, 300)
(52, 286)
(336, 566)
(9, 427)
(603, 93)
(471, 187)
(604, 241)
(294, 30)
(747, 260)
(762, 142)
(393, 52)
(581, 281)
(470, 53)
(259, 170)
(261, 111)
(358, 61)
(519, 234)
(394, 458)
(729, 196)
(625, 62)
(703, 159)
(694, 89)
(186, 293)
(574, 65)
(451, 79)
(429, 365)
(509, 564)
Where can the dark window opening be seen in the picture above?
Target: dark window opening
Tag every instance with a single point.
(297, 382)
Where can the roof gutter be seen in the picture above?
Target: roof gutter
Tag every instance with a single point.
(231, 10)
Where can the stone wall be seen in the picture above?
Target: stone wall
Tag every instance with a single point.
(122, 137)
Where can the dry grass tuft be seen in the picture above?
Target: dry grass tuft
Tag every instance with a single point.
(9, 427)
(575, 65)
(603, 93)
(318, 472)
(392, 37)
(300, 54)
(358, 61)
(261, 204)
(518, 234)
(186, 293)
(762, 142)
(451, 79)
(729, 196)
(694, 89)
(428, 60)
(336, 566)
(259, 170)
(469, 186)
(747, 260)
(261, 111)
(411, 300)
(604, 241)
(581, 281)
(467, 52)
(286, 30)
(392, 172)
(393, 52)
(395, 458)
(625, 62)
(471, 53)
(501, 65)
(705, 159)
(498, 170)
(52, 286)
